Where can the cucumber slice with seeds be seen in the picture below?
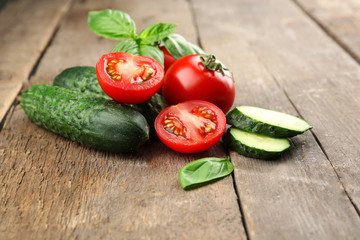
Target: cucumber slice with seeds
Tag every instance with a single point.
(266, 122)
(254, 145)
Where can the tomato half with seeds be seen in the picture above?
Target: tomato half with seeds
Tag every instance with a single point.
(127, 78)
(190, 127)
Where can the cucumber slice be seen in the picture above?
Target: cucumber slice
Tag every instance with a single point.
(255, 145)
(266, 122)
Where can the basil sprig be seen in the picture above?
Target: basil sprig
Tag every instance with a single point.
(111, 24)
(204, 171)
(178, 46)
(117, 25)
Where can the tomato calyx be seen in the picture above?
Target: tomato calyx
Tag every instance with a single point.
(209, 62)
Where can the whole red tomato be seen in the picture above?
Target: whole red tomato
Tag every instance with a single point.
(199, 77)
(168, 58)
(127, 78)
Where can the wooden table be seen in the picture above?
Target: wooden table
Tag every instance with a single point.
(301, 57)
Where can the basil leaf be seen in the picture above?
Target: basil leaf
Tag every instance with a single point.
(204, 171)
(131, 46)
(156, 32)
(111, 24)
(178, 46)
(127, 45)
(152, 52)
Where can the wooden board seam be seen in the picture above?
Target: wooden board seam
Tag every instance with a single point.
(328, 32)
(357, 208)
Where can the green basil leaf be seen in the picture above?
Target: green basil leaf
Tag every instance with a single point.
(152, 52)
(178, 46)
(127, 45)
(111, 24)
(204, 171)
(132, 46)
(156, 32)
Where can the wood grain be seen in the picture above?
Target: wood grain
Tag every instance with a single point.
(26, 28)
(340, 19)
(52, 188)
(281, 60)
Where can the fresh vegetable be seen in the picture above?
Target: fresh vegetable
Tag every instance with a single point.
(266, 122)
(179, 47)
(127, 78)
(80, 78)
(254, 145)
(84, 79)
(118, 25)
(199, 77)
(151, 109)
(204, 171)
(168, 58)
(191, 126)
(92, 121)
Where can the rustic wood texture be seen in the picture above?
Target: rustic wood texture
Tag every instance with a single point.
(53, 188)
(26, 28)
(281, 60)
(340, 19)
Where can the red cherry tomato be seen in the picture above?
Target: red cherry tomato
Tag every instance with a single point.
(127, 78)
(189, 79)
(190, 127)
(168, 58)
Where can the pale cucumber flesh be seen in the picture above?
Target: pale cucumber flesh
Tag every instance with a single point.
(275, 118)
(260, 142)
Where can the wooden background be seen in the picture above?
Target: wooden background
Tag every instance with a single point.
(296, 56)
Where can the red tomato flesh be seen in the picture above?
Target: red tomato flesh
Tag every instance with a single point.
(128, 78)
(190, 127)
(188, 79)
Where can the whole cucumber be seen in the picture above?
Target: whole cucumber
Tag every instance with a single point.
(81, 78)
(93, 121)
(84, 79)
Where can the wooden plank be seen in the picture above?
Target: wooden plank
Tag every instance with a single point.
(26, 28)
(53, 188)
(340, 19)
(281, 60)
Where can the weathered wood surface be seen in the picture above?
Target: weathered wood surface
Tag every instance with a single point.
(281, 60)
(26, 27)
(53, 188)
(340, 19)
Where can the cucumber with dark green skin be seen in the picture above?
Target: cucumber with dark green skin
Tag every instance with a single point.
(84, 79)
(95, 122)
(266, 122)
(81, 78)
(254, 145)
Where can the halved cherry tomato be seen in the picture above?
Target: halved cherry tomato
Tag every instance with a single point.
(128, 78)
(168, 58)
(190, 127)
(189, 78)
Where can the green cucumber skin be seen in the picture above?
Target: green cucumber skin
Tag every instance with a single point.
(81, 78)
(235, 145)
(237, 119)
(92, 121)
(151, 109)
(84, 79)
